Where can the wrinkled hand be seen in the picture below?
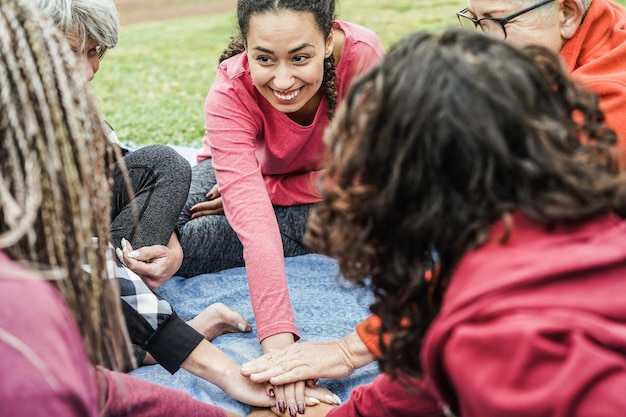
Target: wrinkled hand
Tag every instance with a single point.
(293, 396)
(154, 264)
(212, 206)
(309, 360)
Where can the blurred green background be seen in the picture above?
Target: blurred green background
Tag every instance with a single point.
(152, 86)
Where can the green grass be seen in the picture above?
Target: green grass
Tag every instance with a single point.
(152, 86)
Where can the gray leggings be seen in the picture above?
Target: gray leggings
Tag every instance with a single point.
(160, 177)
(210, 244)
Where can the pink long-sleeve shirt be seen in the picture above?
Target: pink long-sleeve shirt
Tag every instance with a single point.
(262, 158)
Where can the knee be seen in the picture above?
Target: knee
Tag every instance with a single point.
(163, 157)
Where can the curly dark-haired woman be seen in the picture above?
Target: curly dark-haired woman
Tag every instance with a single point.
(471, 147)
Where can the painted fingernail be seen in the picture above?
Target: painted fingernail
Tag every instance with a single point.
(133, 254)
(124, 242)
(337, 400)
(119, 254)
(293, 410)
(282, 406)
(301, 407)
(312, 401)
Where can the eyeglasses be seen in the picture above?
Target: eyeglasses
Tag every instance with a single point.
(100, 50)
(492, 26)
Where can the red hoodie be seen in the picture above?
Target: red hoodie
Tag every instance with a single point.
(596, 56)
(535, 326)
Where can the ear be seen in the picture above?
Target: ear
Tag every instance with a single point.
(330, 44)
(570, 17)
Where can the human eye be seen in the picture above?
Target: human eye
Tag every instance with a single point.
(264, 60)
(93, 52)
(300, 58)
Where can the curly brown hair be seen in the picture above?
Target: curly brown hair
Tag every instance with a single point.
(444, 137)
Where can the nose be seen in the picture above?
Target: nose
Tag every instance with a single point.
(283, 78)
(89, 66)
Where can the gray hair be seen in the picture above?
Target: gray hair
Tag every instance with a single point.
(88, 19)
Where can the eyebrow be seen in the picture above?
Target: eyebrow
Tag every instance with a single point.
(291, 51)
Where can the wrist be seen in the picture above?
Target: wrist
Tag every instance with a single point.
(277, 341)
(355, 351)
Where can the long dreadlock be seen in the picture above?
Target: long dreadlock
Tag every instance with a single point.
(54, 187)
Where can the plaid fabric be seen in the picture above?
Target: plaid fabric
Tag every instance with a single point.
(134, 292)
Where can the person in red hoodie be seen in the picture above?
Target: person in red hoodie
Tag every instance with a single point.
(589, 34)
(466, 147)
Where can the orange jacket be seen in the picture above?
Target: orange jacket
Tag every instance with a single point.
(596, 56)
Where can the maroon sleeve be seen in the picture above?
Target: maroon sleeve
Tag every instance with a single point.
(388, 397)
(127, 396)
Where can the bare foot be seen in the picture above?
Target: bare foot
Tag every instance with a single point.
(218, 319)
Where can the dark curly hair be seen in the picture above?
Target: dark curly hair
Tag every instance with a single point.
(324, 13)
(447, 135)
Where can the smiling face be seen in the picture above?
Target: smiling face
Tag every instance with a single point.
(550, 25)
(286, 51)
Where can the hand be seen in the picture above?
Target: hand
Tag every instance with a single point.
(210, 363)
(154, 264)
(212, 206)
(310, 360)
(295, 395)
(317, 411)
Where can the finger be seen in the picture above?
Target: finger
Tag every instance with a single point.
(206, 213)
(321, 394)
(213, 193)
(290, 396)
(299, 388)
(279, 396)
(147, 253)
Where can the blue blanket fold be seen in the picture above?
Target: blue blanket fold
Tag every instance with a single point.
(326, 309)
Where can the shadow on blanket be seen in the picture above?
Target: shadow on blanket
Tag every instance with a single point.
(326, 308)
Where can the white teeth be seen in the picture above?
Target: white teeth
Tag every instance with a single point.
(286, 97)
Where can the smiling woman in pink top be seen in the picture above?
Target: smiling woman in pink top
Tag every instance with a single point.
(276, 89)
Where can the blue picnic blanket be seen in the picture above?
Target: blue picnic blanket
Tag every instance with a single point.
(326, 307)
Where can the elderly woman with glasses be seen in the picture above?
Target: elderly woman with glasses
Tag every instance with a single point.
(589, 34)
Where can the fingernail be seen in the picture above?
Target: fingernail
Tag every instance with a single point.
(242, 327)
(282, 406)
(272, 393)
(133, 254)
(301, 407)
(312, 401)
(293, 410)
(333, 399)
(124, 242)
(120, 254)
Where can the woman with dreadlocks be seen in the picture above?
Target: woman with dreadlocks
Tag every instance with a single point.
(277, 86)
(55, 197)
(468, 145)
